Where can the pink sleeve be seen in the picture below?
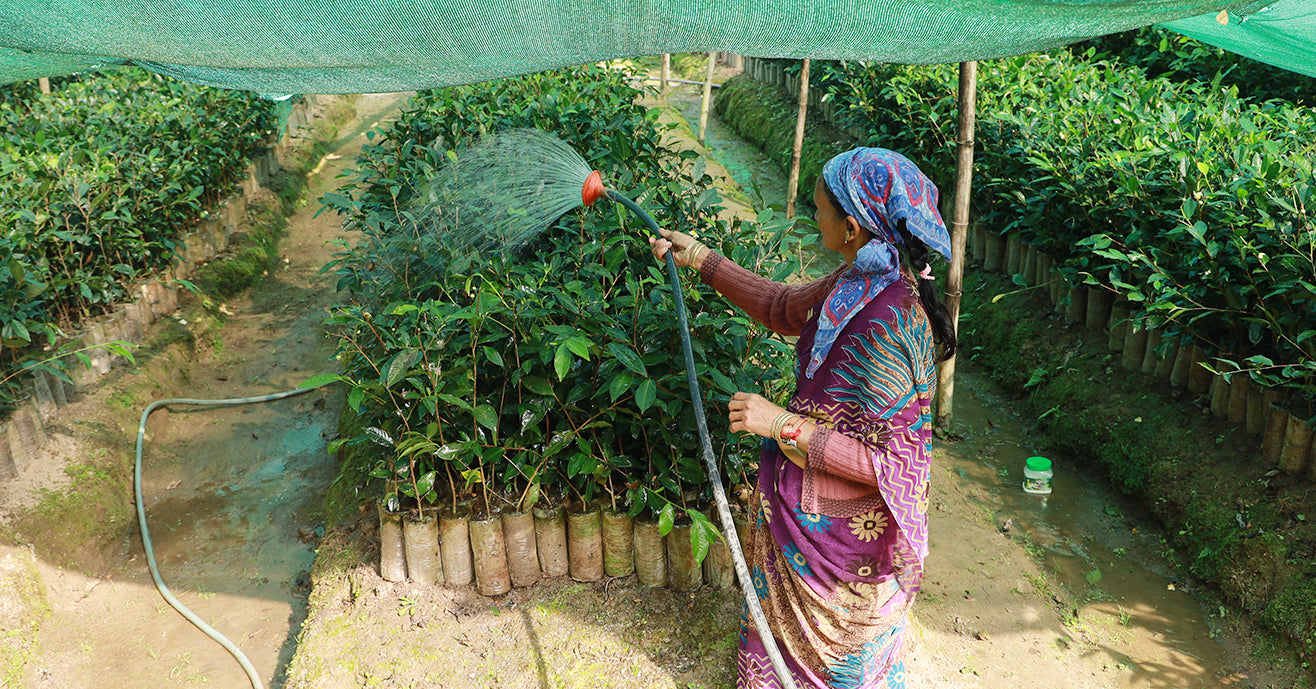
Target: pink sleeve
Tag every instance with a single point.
(835, 453)
(782, 308)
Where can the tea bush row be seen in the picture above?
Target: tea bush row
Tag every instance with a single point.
(554, 372)
(1165, 53)
(99, 180)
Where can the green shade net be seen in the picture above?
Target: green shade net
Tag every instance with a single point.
(344, 46)
(1282, 34)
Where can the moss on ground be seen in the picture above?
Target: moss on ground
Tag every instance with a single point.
(254, 250)
(765, 116)
(23, 588)
(693, 66)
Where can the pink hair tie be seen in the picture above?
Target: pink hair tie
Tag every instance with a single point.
(926, 273)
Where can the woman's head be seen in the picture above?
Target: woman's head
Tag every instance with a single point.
(873, 193)
(879, 189)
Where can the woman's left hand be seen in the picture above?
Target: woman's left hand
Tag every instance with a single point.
(752, 413)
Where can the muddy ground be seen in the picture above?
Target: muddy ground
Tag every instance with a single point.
(1073, 590)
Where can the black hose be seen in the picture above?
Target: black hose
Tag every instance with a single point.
(719, 493)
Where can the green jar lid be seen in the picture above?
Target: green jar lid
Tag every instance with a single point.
(1038, 464)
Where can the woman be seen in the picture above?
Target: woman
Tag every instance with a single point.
(840, 512)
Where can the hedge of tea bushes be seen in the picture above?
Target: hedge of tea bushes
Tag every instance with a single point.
(555, 373)
(99, 180)
(1189, 201)
(1165, 53)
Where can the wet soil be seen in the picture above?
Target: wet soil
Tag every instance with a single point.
(1070, 590)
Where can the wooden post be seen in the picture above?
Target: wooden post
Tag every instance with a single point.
(968, 103)
(44, 83)
(708, 97)
(793, 186)
(665, 75)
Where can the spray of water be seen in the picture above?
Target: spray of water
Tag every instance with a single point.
(503, 192)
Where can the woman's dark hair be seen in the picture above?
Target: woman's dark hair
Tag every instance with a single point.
(943, 330)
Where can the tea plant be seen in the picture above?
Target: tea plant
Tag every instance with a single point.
(554, 373)
(1166, 53)
(99, 180)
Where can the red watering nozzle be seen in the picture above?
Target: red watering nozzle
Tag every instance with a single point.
(592, 189)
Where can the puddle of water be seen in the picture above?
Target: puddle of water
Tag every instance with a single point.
(1115, 590)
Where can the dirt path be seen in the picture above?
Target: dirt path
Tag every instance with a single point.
(233, 496)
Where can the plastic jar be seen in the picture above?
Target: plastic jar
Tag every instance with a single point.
(1037, 475)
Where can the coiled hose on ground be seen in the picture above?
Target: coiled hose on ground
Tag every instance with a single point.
(206, 629)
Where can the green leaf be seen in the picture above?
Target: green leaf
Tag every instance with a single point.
(456, 401)
(645, 394)
(702, 535)
(562, 361)
(425, 483)
(355, 397)
(451, 450)
(722, 382)
(493, 355)
(581, 463)
(619, 385)
(560, 441)
(486, 416)
(579, 346)
(321, 380)
(666, 519)
(538, 386)
(628, 358)
(401, 364)
(19, 330)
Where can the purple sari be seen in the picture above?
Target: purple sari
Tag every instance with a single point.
(837, 584)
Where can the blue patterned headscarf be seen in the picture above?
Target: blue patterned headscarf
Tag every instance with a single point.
(878, 188)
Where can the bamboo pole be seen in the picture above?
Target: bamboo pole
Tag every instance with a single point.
(708, 97)
(793, 186)
(665, 74)
(968, 103)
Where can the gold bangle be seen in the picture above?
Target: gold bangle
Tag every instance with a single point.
(779, 424)
(697, 256)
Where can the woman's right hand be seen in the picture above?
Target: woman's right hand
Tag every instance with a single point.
(684, 248)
